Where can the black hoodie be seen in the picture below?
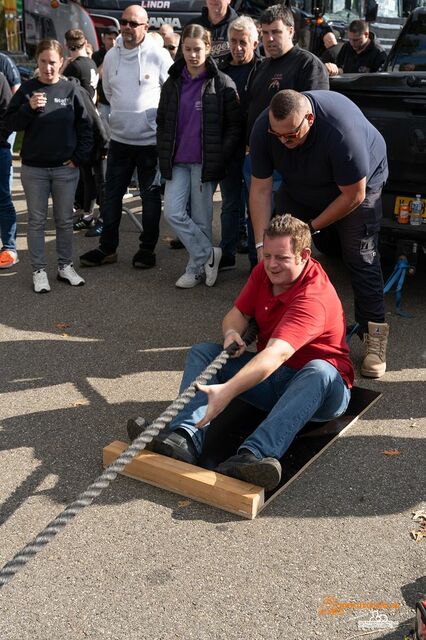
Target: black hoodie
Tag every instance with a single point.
(59, 133)
(220, 44)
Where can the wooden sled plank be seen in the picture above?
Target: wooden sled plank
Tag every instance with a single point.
(206, 486)
(226, 433)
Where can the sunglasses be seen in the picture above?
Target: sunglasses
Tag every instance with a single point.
(170, 47)
(75, 48)
(290, 134)
(132, 24)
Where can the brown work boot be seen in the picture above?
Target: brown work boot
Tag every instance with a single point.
(374, 363)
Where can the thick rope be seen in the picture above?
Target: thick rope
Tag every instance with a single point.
(11, 568)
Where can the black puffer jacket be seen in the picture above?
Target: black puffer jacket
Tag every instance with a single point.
(221, 121)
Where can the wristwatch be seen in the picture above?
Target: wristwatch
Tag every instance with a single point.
(311, 229)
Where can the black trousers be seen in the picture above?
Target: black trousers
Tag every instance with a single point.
(358, 235)
(123, 159)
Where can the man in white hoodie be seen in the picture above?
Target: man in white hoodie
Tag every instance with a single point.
(133, 74)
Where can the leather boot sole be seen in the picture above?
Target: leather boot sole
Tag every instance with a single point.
(264, 473)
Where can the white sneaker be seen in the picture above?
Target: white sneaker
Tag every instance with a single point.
(212, 266)
(188, 280)
(70, 275)
(40, 281)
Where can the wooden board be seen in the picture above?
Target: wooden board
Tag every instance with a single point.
(190, 481)
(225, 435)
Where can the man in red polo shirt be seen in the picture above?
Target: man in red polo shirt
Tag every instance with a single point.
(301, 371)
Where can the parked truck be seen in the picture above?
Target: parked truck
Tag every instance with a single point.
(395, 102)
(51, 19)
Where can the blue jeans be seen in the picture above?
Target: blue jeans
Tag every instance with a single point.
(194, 230)
(11, 140)
(232, 207)
(292, 397)
(39, 183)
(7, 210)
(121, 163)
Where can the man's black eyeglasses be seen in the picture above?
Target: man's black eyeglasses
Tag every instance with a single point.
(132, 24)
(75, 48)
(170, 47)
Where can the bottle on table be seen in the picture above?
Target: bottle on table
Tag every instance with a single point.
(404, 213)
(416, 211)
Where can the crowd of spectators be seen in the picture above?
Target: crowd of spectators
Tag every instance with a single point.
(182, 115)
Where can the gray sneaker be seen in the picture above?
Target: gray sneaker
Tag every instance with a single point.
(40, 281)
(70, 275)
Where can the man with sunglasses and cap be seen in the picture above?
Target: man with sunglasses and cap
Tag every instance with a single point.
(133, 74)
(333, 166)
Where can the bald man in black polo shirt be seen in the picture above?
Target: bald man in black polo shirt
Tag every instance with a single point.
(333, 166)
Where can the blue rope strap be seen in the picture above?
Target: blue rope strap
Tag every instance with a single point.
(398, 277)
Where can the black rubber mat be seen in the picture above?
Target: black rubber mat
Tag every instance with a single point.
(240, 419)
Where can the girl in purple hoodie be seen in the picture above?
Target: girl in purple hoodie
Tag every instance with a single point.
(198, 129)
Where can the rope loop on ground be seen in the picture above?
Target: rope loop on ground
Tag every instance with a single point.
(11, 568)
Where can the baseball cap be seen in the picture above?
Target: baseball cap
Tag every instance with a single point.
(111, 29)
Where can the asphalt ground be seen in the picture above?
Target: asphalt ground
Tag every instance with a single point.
(143, 563)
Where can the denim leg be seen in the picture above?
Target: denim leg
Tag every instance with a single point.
(231, 189)
(276, 179)
(194, 231)
(315, 392)
(11, 140)
(276, 183)
(7, 210)
(64, 182)
(358, 234)
(120, 166)
(36, 184)
(104, 112)
(150, 191)
(176, 197)
(201, 212)
(199, 357)
(247, 171)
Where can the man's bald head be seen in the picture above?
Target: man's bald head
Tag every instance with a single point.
(288, 102)
(134, 26)
(137, 11)
(166, 29)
